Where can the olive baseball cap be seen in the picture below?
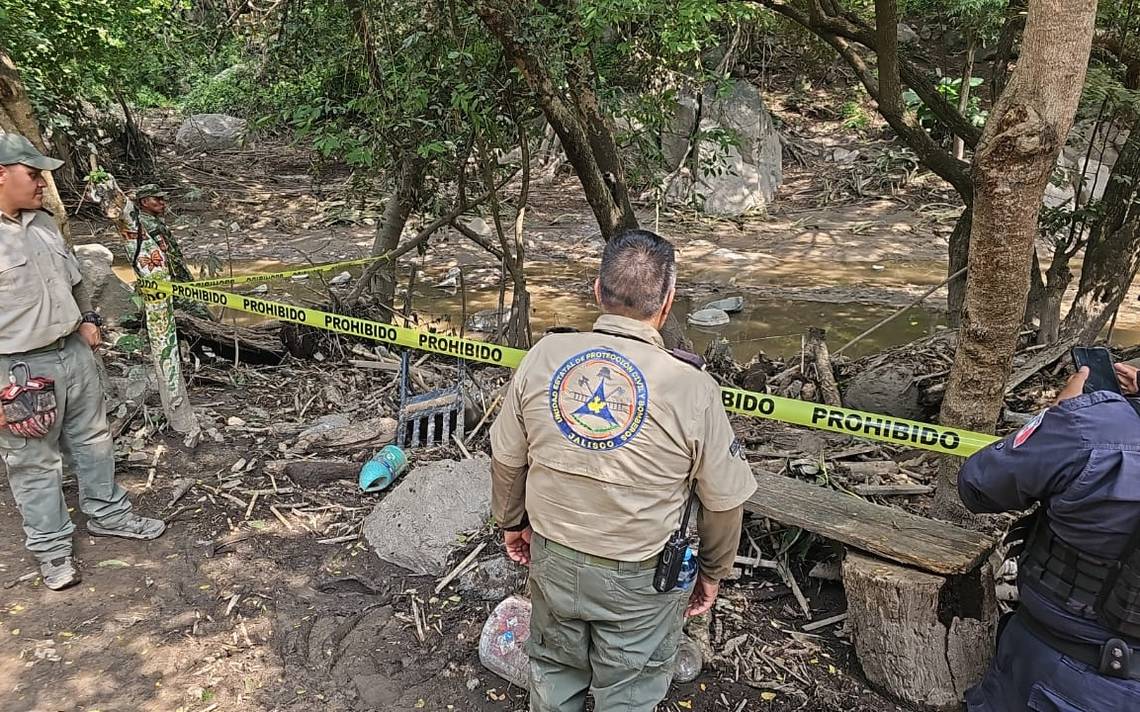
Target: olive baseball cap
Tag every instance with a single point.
(150, 190)
(14, 149)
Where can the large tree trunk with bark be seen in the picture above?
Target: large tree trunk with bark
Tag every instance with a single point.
(578, 120)
(1012, 165)
(1112, 255)
(17, 116)
(400, 205)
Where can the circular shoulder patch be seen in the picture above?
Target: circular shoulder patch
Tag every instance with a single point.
(599, 399)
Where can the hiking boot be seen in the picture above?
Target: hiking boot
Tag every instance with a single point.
(59, 573)
(132, 526)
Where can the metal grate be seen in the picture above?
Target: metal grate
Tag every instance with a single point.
(428, 419)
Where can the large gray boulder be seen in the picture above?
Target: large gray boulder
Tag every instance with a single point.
(418, 523)
(887, 389)
(111, 296)
(731, 180)
(211, 132)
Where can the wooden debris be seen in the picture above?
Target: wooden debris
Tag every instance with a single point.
(339, 539)
(823, 623)
(891, 490)
(790, 581)
(181, 487)
(459, 569)
(825, 375)
(281, 518)
(462, 448)
(874, 468)
(928, 544)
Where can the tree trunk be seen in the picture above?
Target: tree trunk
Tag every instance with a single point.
(924, 639)
(399, 207)
(17, 116)
(959, 257)
(964, 92)
(573, 129)
(1112, 255)
(887, 35)
(1012, 165)
(600, 134)
(1057, 279)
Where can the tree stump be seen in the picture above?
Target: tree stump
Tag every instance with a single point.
(921, 638)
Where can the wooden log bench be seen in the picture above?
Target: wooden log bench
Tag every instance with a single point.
(920, 595)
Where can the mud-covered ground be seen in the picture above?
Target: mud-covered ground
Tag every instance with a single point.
(241, 608)
(235, 608)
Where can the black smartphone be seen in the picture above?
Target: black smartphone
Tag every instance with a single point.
(1102, 376)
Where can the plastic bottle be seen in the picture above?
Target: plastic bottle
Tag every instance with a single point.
(384, 467)
(687, 665)
(502, 645)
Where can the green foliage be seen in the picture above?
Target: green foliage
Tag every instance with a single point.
(951, 90)
(854, 115)
(981, 19)
(130, 343)
(1104, 85)
(72, 50)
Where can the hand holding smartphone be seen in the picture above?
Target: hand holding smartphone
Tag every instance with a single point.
(1102, 375)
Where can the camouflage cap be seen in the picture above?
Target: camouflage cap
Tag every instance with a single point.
(14, 149)
(150, 190)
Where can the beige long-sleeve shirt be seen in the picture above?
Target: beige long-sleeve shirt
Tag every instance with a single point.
(38, 279)
(601, 435)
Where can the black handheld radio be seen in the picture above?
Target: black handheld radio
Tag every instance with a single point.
(668, 573)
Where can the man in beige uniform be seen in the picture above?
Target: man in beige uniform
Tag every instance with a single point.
(46, 323)
(600, 439)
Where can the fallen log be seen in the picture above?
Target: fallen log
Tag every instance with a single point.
(259, 343)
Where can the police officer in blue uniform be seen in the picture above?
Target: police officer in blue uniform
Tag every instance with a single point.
(1074, 643)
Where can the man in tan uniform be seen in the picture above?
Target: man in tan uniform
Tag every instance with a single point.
(601, 438)
(47, 331)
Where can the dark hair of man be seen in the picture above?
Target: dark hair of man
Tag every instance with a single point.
(638, 270)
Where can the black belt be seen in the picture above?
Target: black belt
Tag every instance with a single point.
(1114, 658)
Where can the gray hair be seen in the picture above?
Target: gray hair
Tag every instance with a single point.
(638, 269)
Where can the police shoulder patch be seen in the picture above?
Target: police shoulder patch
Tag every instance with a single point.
(599, 399)
(736, 449)
(1027, 430)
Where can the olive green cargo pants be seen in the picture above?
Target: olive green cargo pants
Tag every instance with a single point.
(598, 628)
(81, 433)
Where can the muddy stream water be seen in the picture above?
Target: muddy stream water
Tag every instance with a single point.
(561, 295)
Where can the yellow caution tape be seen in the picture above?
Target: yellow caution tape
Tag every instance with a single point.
(467, 349)
(870, 426)
(270, 276)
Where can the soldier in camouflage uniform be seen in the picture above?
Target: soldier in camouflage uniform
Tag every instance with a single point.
(152, 216)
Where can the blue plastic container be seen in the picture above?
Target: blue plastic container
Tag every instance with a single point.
(384, 467)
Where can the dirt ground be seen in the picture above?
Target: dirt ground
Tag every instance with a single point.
(235, 609)
(240, 607)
